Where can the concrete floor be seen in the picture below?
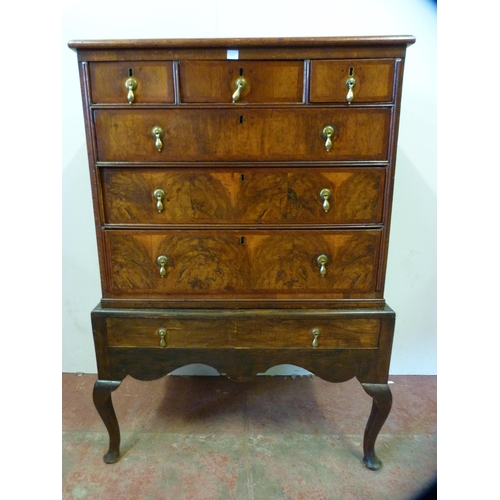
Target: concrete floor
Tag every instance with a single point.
(208, 438)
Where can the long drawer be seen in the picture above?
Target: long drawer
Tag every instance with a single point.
(142, 196)
(250, 332)
(192, 263)
(238, 134)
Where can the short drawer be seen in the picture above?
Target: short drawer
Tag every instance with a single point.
(144, 196)
(227, 133)
(131, 82)
(170, 332)
(317, 333)
(357, 80)
(251, 332)
(227, 263)
(241, 81)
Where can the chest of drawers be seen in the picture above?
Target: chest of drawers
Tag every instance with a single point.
(242, 197)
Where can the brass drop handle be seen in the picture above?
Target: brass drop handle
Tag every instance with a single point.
(325, 194)
(240, 83)
(322, 261)
(315, 334)
(159, 196)
(350, 83)
(328, 135)
(162, 262)
(162, 333)
(157, 132)
(131, 85)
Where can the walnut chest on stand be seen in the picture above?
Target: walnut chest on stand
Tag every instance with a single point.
(242, 194)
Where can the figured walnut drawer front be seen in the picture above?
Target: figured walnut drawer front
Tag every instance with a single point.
(189, 263)
(152, 82)
(245, 196)
(260, 81)
(370, 80)
(126, 135)
(258, 332)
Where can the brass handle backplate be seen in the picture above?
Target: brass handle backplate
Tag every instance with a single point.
(159, 196)
(322, 261)
(131, 85)
(162, 333)
(325, 194)
(350, 83)
(162, 262)
(328, 135)
(157, 132)
(315, 334)
(240, 83)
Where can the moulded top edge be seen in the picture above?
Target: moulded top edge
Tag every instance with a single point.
(241, 42)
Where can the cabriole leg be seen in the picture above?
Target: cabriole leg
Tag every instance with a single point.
(104, 405)
(382, 402)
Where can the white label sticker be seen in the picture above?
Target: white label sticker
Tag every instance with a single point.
(233, 54)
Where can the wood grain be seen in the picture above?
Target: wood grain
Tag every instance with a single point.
(232, 262)
(291, 333)
(197, 333)
(267, 81)
(244, 196)
(250, 332)
(154, 82)
(374, 80)
(265, 135)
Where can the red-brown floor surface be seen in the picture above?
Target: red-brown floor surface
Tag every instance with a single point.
(209, 438)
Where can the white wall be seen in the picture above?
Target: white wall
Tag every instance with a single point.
(411, 274)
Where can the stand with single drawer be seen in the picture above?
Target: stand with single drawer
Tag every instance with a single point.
(242, 196)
